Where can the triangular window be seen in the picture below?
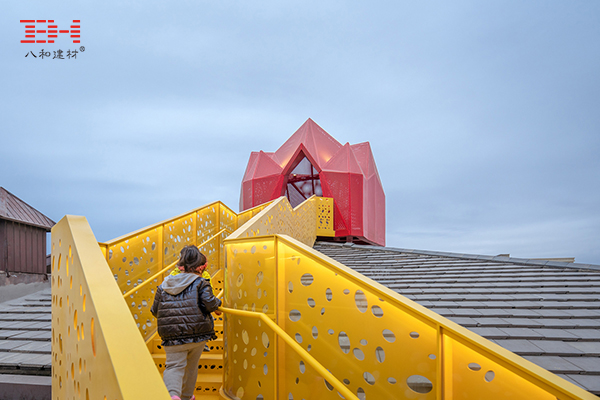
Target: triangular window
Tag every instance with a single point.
(303, 182)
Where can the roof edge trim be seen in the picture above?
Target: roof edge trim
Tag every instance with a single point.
(499, 259)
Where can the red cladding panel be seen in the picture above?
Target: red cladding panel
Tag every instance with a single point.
(265, 166)
(347, 173)
(317, 142)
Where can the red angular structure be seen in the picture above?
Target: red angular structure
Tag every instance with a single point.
(313, 162)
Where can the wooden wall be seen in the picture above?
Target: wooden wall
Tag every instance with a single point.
(22, 248)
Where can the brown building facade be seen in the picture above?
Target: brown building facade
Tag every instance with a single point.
(22, 236)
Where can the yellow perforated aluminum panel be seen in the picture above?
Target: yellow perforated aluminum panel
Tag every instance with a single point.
(97, 352)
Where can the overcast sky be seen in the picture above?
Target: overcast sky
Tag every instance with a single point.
(483, 117)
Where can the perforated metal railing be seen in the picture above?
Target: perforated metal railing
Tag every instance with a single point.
(377, 343)
(140, 256)
(361, 338)
(97, 351)
(137, 259)
(312, 218)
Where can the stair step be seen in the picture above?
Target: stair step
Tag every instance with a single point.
(208, 384)
(210, 378)
(210, 366)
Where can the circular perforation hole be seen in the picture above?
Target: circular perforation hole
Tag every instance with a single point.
(328, 294)
(344, 342)
(295, 315)
(259, 278)
(306, 279)
(265, 340)
(358, 353)
(315, 332)
(369, 378)
(414, 335)
(361, 301)
(311, 302)
(360, 393)
(380, 354)
(489, 376)
(328, 385)
(389, 335)
(474, 367)
(377, 311)
(419, 384)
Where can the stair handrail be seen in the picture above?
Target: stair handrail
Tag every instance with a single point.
(321, 370)
(93, 327)
(162, 271)
(132, 234)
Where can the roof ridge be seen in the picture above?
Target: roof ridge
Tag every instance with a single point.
(13, 208)
(514, 260)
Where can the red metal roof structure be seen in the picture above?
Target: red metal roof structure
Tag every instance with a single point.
(14, 209)
(312, 162)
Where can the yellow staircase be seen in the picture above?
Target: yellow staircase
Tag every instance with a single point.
(295, 324)
(210, 368)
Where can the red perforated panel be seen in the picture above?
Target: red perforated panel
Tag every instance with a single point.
(312, 162)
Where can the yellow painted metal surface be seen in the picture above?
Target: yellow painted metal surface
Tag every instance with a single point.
(325, 216)
(475, 376)
(250, 367)
(250, 213)
(308, 367)
(300, 317)
(378, 343)
(139, 256)
(312, 218)
(97, 352)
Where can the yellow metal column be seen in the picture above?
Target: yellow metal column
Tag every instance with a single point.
(194, 229)
(161, 250)
(444, 368)
(218, 240)
(280, 321)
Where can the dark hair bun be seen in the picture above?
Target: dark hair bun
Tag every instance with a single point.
(190, 258)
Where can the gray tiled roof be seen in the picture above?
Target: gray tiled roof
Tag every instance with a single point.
(545, 311)
(25, 335)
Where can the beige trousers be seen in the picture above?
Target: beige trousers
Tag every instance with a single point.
(181, 369)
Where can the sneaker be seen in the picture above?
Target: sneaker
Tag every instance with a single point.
(175, 398)
(193, 397)
(206, 348)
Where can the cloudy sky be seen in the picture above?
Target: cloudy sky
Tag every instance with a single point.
(484, 117)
